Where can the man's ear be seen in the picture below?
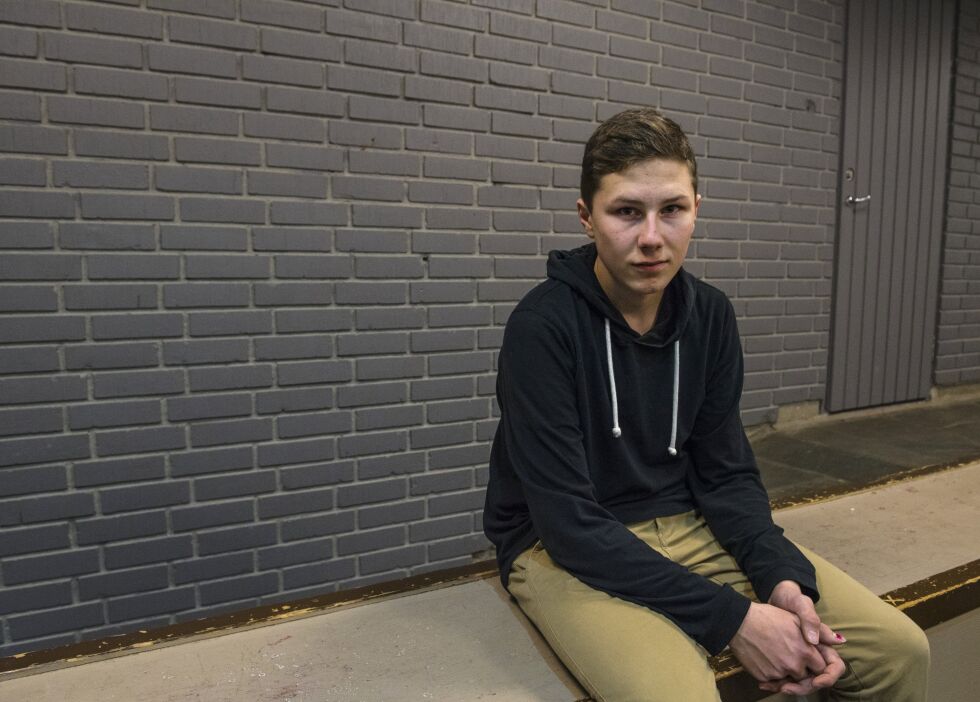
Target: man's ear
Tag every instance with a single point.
(585, 217)
(697, 203)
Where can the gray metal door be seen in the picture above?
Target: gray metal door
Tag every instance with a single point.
(892, 190)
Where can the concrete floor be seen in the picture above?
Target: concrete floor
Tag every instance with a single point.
(466, 642)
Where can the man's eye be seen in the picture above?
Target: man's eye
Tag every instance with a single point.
(672, 209)
(627, 212)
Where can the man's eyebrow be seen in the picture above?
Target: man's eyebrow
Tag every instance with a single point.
(630, 200)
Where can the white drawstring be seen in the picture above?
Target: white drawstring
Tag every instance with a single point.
(672, 450)
(616, 430)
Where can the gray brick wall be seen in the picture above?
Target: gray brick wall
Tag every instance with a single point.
(257, 256)
(958, 348)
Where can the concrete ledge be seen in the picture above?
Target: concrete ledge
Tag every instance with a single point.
(456, 635)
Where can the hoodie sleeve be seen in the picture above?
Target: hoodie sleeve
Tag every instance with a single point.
(543, 444)
(726, 482)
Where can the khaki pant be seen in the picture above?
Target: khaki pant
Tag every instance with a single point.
(621, 651)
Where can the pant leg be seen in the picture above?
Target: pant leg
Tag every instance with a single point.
(886, 653)
(617, 650)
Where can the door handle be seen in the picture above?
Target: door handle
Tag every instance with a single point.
(857, 200)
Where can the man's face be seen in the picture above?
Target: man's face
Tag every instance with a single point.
(641, 220)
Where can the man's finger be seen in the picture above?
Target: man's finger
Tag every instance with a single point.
(809, 620)
(830, 637)
(834, 669)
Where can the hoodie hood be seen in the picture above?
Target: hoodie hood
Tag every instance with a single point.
(576, 268)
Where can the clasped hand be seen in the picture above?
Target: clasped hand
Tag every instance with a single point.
(785, 646)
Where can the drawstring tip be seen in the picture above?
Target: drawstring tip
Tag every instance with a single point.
(672, 451)
(617, 432)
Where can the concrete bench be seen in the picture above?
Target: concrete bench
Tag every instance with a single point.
(455, 635)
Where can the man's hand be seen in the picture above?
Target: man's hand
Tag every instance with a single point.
(788, 596)
(769, 645)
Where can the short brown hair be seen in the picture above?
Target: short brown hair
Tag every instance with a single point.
(628, 138)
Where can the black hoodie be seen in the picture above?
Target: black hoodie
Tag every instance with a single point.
(559, 474)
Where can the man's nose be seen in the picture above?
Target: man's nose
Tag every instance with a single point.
(651, 236)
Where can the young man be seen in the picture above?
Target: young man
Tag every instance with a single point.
(624, 500)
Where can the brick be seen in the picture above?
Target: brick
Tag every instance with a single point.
(29, 328)
(19, 422)
(379, 109)
(389, 368)
(139, 441)
(228, 35)
(318, 574)
(299, 502)
(367, 188)
(452, 66)
(288, 184)
(40, 13)
(455, 168)
(291, 294)
(292, 554)
(94, 174)
(185, 59)
(304, 157)
(210, 461)
(22, 172)
(28, 298)
(29, 203)
(315, 423)
(282, 70)
(277, 401)
(199, 569)
(505, 49)
(213, 8)
(208, 407)
(43, 509)
(282, 14)
(363, 80)
(22, 106)
(35, 597)
(380, 55)
(205, 351)
(23, 451)
(453, 15)
(121, 145)
(239, 588)
(113, 414)
(238, 377)
(428, 36)
(39, 624)
(299, 100)
(313, 372)
(130, 266)
(222, 210)
(438, 140)
(193, 119)
(371, 444)
(216, 266)
(371, 241)
(565, 11)
(458, 502)
(107, 472)
(34, 480)
(197, 180)
(144, 605)
(122, 582)
(139, 207)
(234, 431)
(283, 127)
(106, 20)
(33, 540)
(203, 91)
(98, 50)
(144, 496)
(363, 25)
(506, 99)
